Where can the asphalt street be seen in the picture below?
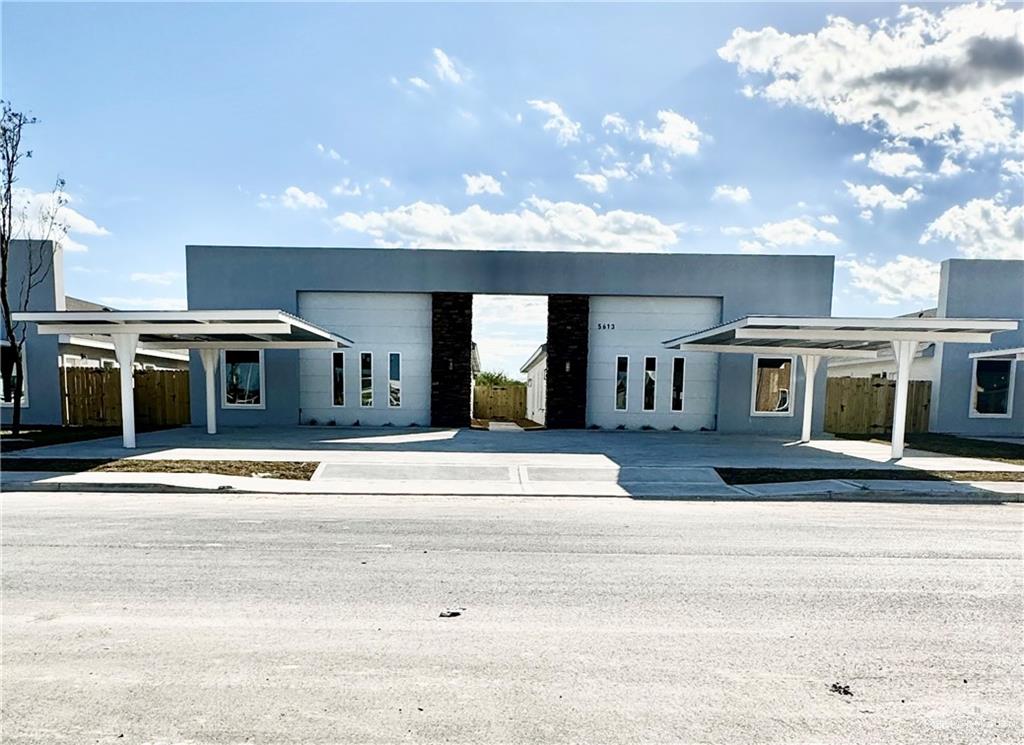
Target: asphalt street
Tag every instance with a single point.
(163, 618)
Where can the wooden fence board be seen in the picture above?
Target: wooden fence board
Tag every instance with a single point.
(92, 396)
(499, 401)
(865, 405)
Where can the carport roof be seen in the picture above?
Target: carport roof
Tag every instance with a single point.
(1014, 353)
(835, 337)
(193, 329)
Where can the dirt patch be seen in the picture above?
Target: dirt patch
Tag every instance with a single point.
(294, 470)
(741, 476)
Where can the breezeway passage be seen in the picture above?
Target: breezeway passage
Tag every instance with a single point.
(298, 619)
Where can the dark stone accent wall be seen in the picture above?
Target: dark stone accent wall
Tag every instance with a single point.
(568, 342)
(450, 365)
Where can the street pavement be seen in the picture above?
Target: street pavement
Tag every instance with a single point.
(205, 618)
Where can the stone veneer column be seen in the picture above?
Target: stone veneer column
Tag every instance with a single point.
(568, 342)
(450, 358)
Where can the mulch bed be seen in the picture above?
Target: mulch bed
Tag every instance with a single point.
(295, 470)
(741, 476)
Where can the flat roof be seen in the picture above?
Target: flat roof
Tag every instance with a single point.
(192, 329)
(1009, 353)
(836, 337)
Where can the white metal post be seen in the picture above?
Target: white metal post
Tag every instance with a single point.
(810, 372)
(124, 347)
(209, 358)
(904, 353)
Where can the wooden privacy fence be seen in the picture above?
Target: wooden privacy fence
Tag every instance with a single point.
(499, 401)
(864, 406)
(92, 396)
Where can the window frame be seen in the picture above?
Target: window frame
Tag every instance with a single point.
(399, 404)
(682, 387)
(224, 382)
(753, 385)
(643, 387)
(24, 383)
(972, 399)
(361, 378)
(615, 384)
(344, 385)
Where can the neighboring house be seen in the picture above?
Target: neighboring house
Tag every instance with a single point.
(409, 315)
(536, 369)
(922, 368)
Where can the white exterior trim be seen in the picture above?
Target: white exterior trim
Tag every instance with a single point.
(615, 383)
(672, 383)
(359, 377)
(344, 388)
(973, 398)
(389, 379)
(24, 382)
(753, 385)
(224, 383)
(643, 384)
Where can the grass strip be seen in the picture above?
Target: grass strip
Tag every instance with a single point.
(294, 470)
(742, 476)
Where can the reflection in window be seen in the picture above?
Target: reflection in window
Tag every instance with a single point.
(773, 385)
(650, 382)
(678, 369)
(992, 386)
(621, 382)
(394, 379)
(338, 378)
(8, 376)
(243, 385)
(366, 378)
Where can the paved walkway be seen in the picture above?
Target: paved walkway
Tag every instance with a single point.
(579, 463)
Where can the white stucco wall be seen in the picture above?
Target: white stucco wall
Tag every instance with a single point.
(536, 390)
(636, 327)
(380, 323)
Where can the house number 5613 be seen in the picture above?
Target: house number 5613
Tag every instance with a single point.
(606, 327)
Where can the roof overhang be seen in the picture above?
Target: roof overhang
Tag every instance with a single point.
(191, 329)
(1015, 353)
(541, 351)
(862, 338)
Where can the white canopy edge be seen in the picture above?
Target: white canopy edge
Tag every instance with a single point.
(857, 354)
(1012, 353)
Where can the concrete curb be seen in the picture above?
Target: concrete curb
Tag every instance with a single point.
(865, 495)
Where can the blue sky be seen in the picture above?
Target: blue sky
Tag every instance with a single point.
(889, 138)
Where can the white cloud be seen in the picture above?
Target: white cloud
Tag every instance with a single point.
(675, 133)
(420, 83)
(449, 69)
(734, 230)
(540, 224)
(859, 157)
(384, 181)
(481, 184)
(895, 163)
(295, 198)
(981, 229)
(156, 278)
(949, 167)
(878, 196)
(1013, 169)
(752, 247)
(31, 218)
(615, 123)
(346, 188)
(738, 194)
(328, 152)
(145, 303)
(565, 129)
(828, 219)
(596, 182)
(906, 278)
(948, 77)
(795, 232)
(645, 165)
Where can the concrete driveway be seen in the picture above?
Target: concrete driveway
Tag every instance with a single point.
(464, 461)
(268, 619)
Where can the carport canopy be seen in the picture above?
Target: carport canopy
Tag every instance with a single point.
(1014, 353)
(814, 337)
(208, 331)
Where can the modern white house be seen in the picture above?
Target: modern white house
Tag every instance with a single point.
(692, 342)
(536, 369)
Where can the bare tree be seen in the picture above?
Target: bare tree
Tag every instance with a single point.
(41, 231)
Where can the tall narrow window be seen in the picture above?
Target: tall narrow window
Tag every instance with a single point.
(394, 379)
(650, 382)
(678, 371)
(772, 385)
(243, 377)
(338, 378)
(621, 382)
(8, 377)
(993, 387)
(366, 378)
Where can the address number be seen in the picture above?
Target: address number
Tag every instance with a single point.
(606, 327)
